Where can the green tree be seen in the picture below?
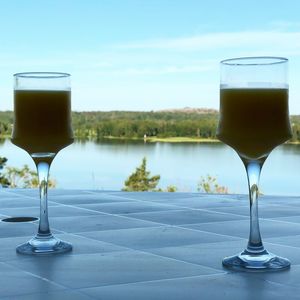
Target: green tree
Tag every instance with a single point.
(140, 180)
(209, 184)
(24, 178)
(3, 180)
(171, 188)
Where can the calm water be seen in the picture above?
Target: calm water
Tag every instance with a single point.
(106, 165)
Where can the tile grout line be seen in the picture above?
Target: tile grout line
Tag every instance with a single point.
(155, 280)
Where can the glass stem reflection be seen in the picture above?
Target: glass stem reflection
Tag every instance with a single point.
(43, 173)
(253, 168)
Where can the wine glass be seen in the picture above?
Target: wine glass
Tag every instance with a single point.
(254, 119)
(42, 127)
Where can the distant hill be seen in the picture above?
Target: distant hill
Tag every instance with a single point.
(190, 110)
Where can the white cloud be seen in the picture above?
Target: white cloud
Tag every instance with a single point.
(285, 25)
(269, 40)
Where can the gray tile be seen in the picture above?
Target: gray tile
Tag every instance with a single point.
(165, 236)
(89, 270)
(213, 201)
(155, 196)
(290, 240)
(8, 247)
(185, 217)
(15, 282)
(123, 249)
(270, 211)
(212, 254)
(292, 219)
(291, 253)
(81, 245)
(69, 192)
(280, 200)
(289, 278)
(20, 192)
(86, 245)
(86, 199)
(206, 254)
(223, 286)
(19, 202)
(53, 211)
(66, 295)
(268, 228)
(238, 209)
(128, 207)
(8, 229)
(97, 222)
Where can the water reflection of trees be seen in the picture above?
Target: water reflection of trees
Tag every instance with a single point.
(291, 148)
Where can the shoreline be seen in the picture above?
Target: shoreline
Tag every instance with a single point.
(176, 140)
(163, 140)
(157, 139)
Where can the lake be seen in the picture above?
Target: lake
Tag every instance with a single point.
(106, 165)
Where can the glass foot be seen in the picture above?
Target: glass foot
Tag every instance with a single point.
(256, 262)
(44, 246)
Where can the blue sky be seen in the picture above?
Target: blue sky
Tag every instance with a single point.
(146, 54)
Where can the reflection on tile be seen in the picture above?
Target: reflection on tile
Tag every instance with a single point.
(78, 271)
(81, 245)
(157, 196)
(206, 254)
(221, 286)
(53, 211)
(20, 192)
(8, 229)
(205, 202)
(19, 202)
(97, 222)
(269, 228)
(128, 207)
(270, 211)
(85, 199)
(212, 254)
(289, 278)
(86, 245)
(65, 295)
(185, 217)
(292, 219)
(164, 236)
(16, 282)
(290, 240)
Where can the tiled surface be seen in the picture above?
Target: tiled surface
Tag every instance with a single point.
(146, 246)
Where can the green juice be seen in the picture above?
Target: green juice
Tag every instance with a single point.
(253, 121)
(42, 120)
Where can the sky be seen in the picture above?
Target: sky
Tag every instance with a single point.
(144, 54)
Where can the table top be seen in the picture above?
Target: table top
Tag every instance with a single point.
(146, 246)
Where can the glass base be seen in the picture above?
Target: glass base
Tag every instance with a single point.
(44, 245)
(256, 262)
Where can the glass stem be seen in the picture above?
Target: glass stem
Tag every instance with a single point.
(253, 168)
(43, 173)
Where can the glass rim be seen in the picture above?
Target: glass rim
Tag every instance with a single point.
(42, 75)
(254, 61)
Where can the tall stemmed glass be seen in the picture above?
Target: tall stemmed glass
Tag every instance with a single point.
(42, 127)
(254, 119)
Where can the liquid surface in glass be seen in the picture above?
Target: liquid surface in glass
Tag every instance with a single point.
(253, 121)
(42, 120)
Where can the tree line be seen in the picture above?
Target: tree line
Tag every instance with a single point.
(125, 124)
(194, 123)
